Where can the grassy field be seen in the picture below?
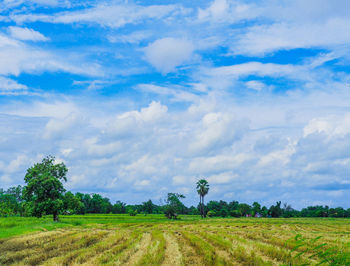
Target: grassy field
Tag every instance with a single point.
(154, 240)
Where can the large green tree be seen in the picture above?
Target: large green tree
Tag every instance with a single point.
(44, 189)
(174, 206)
(202, 189)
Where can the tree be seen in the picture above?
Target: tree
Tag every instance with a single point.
(44, 189)
(256, 208)
(72, 204)
(202, 189)
(244, 209)
(276, 211)
(173, 205)
(148, 206)
(119, 207)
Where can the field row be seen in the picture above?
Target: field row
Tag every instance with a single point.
(223, 243)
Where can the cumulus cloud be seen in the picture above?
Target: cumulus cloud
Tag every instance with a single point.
(168, 53)
(331, 126)
(259, 129)
(152, 146)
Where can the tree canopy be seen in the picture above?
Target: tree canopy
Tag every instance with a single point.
(44, 189)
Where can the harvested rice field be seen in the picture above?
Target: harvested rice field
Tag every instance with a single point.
(153, 240)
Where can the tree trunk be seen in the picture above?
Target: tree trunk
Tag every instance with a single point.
(204, 215)
(55, 217)
(202, 209)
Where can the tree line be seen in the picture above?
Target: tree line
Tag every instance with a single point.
(44, 194)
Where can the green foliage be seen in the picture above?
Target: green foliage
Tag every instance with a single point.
(276, 210)
(235, 213)
(11, 202)
(211, 213)
(132, 212)
(173, 205)
(44, 189)
(72, 203)
(244, 209)
(256, 208)
(119, 207)
(148, 207)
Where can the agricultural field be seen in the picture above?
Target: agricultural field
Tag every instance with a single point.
(154, 240)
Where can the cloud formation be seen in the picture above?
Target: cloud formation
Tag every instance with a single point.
(168, 53)
(141, 99)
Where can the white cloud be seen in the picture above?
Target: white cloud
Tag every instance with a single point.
(26, 34)
(222, 178)
(283, 36)
(226, 11)
(11, 87)
(21, 160)
(56, 127)
(331, 125)
(255, 85)
(133, 38)
(168, 53)
(177, 94)
(103, 14)
(215, 131)
(234, 123)
(155, 148)
(17, 57)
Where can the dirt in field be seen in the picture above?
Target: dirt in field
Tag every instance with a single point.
(173, 255)
(141, 249)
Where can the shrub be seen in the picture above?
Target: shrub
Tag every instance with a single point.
(132, 212)
(211, 213)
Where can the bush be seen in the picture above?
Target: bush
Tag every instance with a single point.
(132, 212)
(235, 213)
(211, 213)
(223, 213)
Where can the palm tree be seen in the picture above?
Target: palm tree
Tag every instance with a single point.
(202, 189)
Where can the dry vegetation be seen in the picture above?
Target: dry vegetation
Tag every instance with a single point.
(209, 242)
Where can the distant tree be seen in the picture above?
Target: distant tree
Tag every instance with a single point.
(119, 207)
(44, 189)
(174, 206)
(11, 201)
(98, 204)
(72, 203)
(214, 206)
(276, 210)
(244, 209)
(8, 204)
(193, 210)
(264, 211)
(224, 212)
(256, 208)
(148, 206)
(202, 189)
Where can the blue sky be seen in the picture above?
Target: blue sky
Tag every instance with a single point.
(141, 98)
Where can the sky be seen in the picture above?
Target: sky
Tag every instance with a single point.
(142, 98)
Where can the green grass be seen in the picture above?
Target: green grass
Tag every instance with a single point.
(12, 226)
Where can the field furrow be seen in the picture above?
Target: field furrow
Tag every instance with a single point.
(204, 242)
